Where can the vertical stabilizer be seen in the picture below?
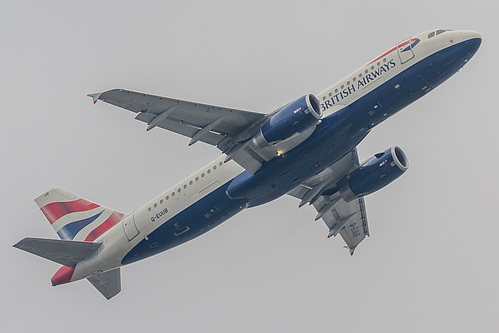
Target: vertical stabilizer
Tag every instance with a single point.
(75, 218)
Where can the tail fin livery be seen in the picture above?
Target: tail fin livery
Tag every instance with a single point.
(75, 218)
(69, 253)
(79, 223)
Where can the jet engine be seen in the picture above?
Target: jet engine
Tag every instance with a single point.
(296, 117)
(375, 174)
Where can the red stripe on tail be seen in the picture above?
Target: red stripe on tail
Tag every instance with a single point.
(56, 210)
(105, 226)
(63, 275)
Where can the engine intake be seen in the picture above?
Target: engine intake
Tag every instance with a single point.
(372, 176)
(293, 118)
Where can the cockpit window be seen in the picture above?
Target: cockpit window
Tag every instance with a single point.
(438, 32)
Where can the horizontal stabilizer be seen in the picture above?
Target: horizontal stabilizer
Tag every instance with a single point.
(64, 252)
(108, 283)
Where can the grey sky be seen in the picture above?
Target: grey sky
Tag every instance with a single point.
(431, 263)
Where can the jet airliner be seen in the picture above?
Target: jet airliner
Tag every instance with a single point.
(305, 149)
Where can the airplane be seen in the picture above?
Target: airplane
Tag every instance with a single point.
(306, 149)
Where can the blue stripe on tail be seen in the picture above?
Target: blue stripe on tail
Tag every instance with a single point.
(70, 230)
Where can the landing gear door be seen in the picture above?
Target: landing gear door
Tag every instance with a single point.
(130, 228)
(405, 50)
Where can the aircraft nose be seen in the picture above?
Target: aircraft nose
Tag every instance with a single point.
(470, 34)
(472, 39)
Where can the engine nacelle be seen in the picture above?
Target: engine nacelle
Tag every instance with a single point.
(296, 117)
(378, 172)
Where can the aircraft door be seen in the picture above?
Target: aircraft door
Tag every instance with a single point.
(405, 50)
(130, 227)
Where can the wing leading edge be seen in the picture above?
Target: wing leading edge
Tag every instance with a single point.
(227, 129)
(349, 219)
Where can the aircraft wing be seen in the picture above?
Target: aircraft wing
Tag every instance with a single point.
(349, 219)
(222, 127)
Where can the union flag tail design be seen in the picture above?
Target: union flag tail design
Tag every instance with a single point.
(74, 218)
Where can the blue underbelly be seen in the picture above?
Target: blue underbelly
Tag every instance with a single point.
(195, 220)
